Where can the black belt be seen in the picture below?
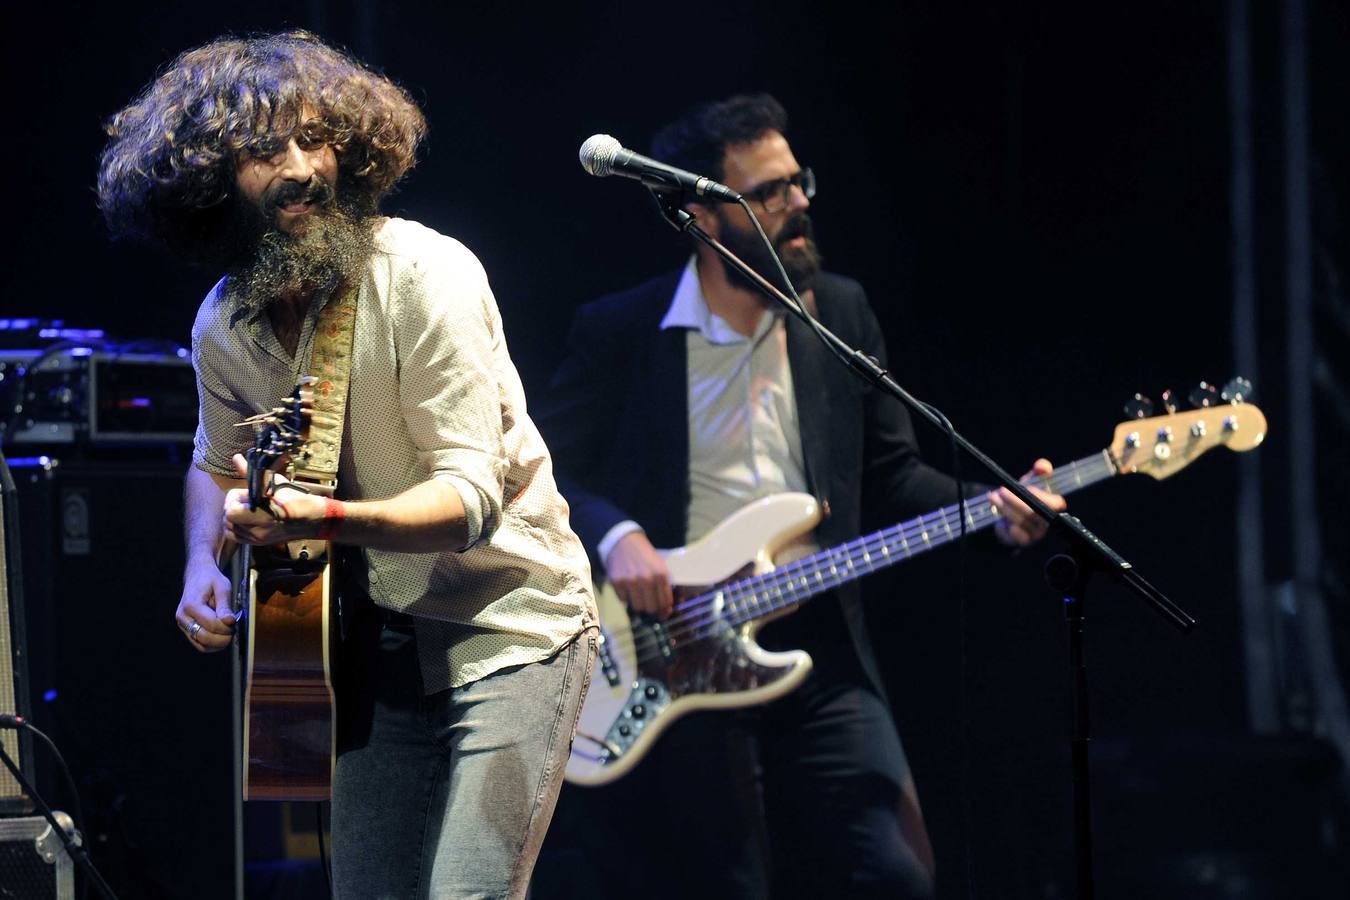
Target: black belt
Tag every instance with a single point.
(397, 621)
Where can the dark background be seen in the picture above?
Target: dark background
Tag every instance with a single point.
(1036, 197)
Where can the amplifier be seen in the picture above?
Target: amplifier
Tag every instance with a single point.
(145, 722)
(80, 395)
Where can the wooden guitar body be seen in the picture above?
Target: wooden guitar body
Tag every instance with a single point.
(282, 606)
(289, 713)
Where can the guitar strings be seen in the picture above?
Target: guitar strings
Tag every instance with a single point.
(714, 613)
(701, 618)
(927, 531)
(711, 614)
(706, 615)
(856, 558)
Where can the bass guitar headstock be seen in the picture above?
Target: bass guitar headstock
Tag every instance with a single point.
(1161, 446)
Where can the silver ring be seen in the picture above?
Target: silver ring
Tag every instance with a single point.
(193, 629)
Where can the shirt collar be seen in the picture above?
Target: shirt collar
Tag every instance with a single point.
(689, 309)
(253, 316)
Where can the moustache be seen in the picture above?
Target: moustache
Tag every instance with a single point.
(797, 226)
(315, 191)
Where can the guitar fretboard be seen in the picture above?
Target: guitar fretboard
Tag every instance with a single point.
(753, 598)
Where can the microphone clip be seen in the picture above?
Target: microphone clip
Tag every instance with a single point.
(668, 205)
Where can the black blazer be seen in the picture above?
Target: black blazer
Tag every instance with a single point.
(616, 421)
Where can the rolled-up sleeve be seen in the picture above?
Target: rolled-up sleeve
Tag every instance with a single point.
(218, 406)
(448, 332)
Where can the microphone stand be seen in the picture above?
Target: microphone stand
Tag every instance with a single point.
(1067, 573)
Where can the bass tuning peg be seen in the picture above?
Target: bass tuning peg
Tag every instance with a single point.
(1203, 395)
(1169, 401)
(1138, 407)
(1237, 390)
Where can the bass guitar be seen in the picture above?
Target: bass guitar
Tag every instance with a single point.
(650, 672)
(283, 627)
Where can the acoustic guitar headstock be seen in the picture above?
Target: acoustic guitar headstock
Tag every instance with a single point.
(280, 432)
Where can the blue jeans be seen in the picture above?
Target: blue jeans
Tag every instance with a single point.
(448, 795)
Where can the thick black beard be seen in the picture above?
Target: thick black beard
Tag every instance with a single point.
(331, 246)
(802, 265)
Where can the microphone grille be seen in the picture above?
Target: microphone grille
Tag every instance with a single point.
(597, 154)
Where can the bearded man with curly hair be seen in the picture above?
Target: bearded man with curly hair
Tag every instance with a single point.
(469, 622)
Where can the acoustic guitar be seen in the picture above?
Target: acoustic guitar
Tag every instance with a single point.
(284, 631)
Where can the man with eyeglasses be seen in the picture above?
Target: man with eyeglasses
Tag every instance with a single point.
(681, 401)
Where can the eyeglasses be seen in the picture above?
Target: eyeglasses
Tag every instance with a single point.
(312, 135)
(777, 195)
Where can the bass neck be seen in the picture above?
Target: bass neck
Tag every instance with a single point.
(798, 581)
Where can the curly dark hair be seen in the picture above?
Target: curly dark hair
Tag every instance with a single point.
(169, 166)
(698, 140)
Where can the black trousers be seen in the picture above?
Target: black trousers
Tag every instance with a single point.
(804, 797)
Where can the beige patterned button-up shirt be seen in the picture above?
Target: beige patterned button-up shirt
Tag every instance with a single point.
(433, 394)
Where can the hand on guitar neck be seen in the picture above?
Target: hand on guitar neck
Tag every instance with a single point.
(206, 609)
(291, 513)
(1018, 526)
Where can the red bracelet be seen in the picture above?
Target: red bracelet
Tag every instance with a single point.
(333, 514)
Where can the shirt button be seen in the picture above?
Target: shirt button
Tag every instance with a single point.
(374, 576)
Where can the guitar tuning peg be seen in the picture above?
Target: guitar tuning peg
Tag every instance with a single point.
(1169, 401)
(1203, 395)
(1237, 390)
(1138, 407)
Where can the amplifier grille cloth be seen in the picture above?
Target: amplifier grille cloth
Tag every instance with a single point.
(9, 738)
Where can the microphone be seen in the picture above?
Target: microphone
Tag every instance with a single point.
(602, 155)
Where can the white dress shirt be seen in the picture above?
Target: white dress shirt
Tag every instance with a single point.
(744, 437)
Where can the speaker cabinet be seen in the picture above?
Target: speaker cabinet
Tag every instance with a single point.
(144, 721)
